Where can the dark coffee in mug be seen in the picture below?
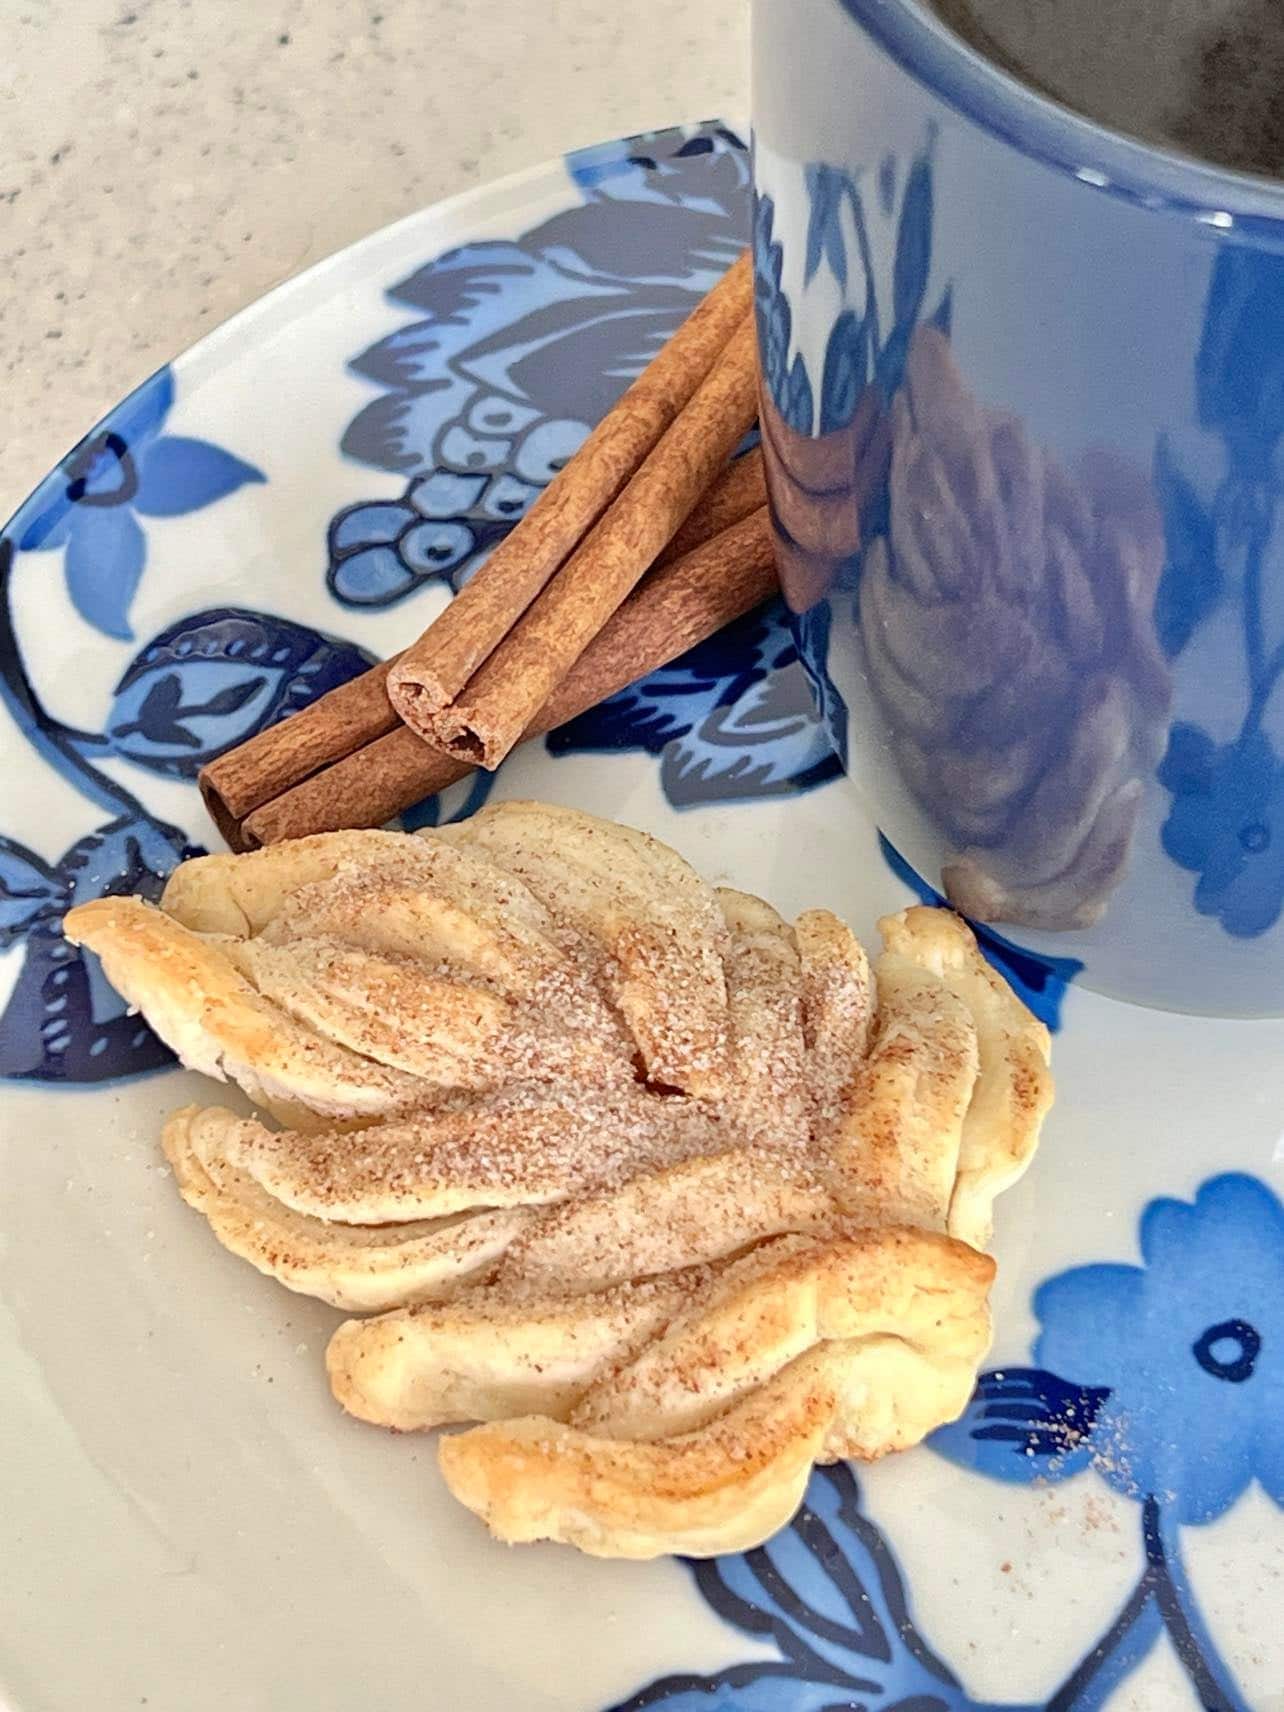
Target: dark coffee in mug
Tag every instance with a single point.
(1202, 76)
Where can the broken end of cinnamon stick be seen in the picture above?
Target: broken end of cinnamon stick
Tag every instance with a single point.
(471, 743)
(417, 694)
(428, 709)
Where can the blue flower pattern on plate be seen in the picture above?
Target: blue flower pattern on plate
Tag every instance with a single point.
(1177, 1401)
(1190, 1347)
(90, 507)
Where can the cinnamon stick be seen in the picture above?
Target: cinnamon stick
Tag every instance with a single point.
(354, 715)
(493, 710)
(434, 669)
(263, 766)
(738, 491)
(677, 605)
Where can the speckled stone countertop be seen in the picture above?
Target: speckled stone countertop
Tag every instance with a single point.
(164, 162)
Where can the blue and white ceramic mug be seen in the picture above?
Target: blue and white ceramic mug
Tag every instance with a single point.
(1024, 418)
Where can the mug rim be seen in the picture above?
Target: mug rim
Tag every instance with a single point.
(1094, 154)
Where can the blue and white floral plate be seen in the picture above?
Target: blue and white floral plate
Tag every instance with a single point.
(188, 1522)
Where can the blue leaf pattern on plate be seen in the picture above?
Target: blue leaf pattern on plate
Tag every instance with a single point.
(766, 742)
(104, 564)
(733, 717)
(1022, 1425)
(826, 1592)
(179, 474)
(210, 681)
(29, 890)
(63, 1021)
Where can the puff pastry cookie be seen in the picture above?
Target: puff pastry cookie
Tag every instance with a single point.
(672, 1197)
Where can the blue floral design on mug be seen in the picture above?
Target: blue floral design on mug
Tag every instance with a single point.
(995, 602)
(1224, 822)
(1226, 825)
(90, 507)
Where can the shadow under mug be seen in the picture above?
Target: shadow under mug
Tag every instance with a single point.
(1024, 422)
